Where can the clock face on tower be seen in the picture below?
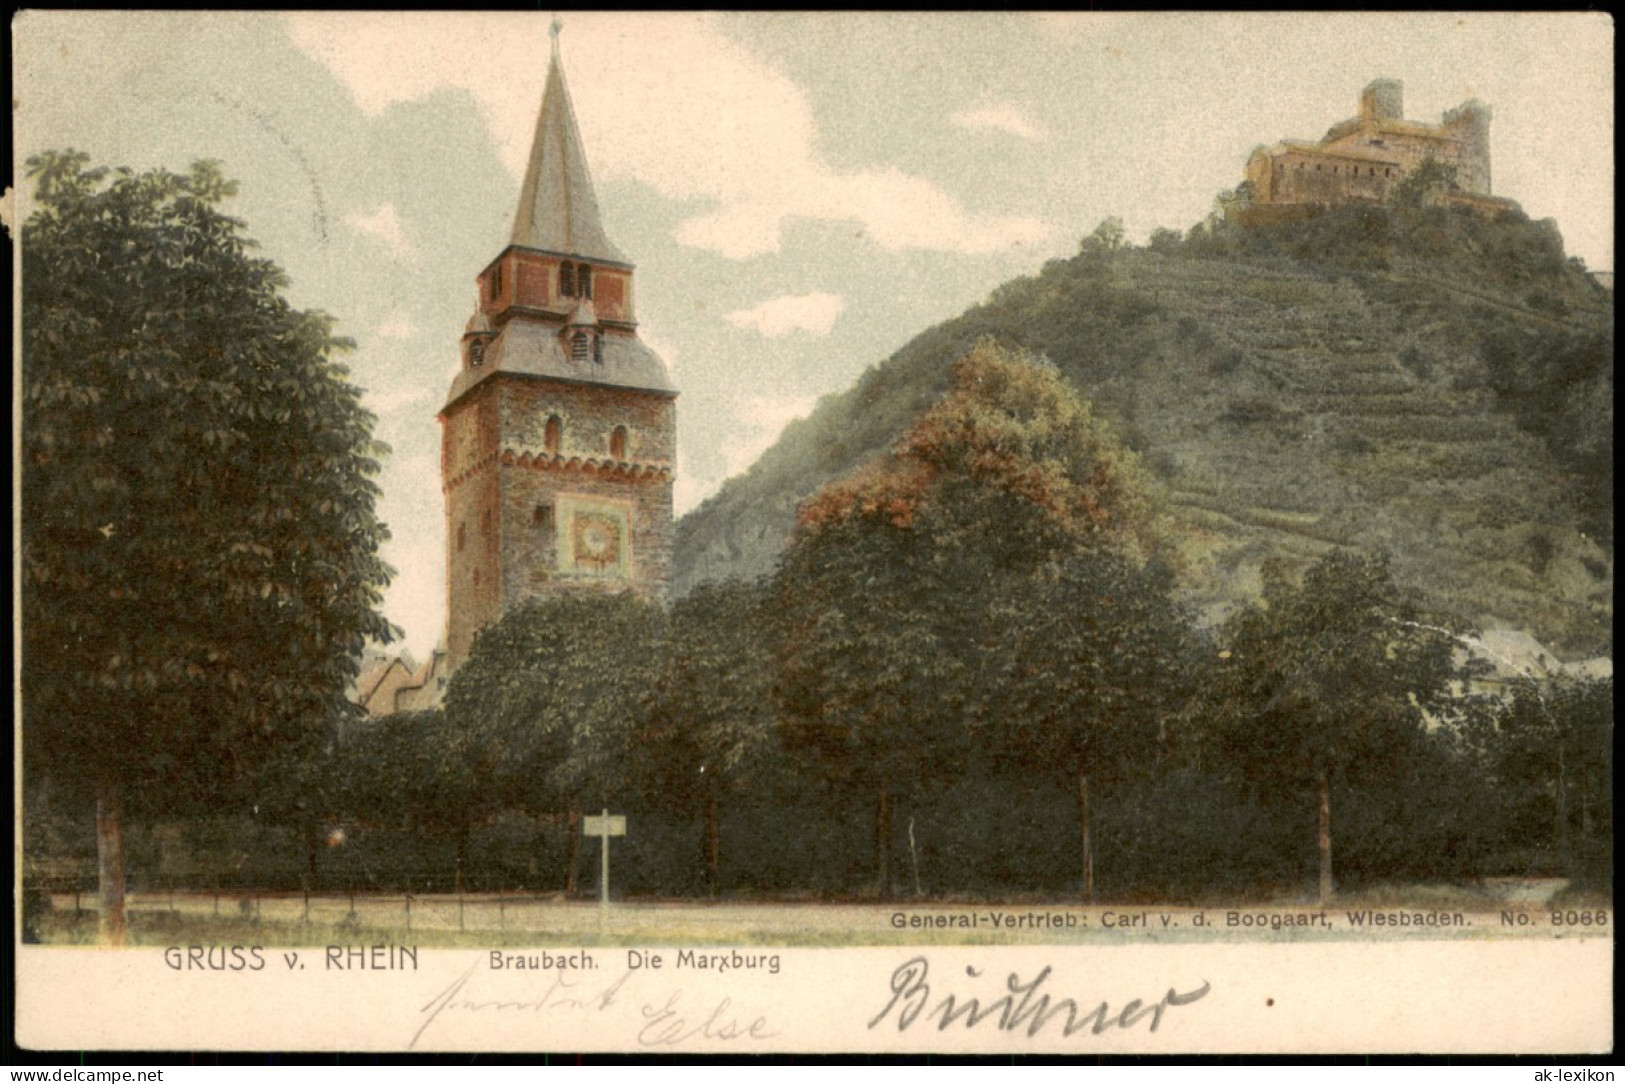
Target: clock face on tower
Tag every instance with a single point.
(595, 540)
(594, 536)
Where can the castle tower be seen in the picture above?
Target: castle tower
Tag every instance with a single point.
(1470, 123)
(558, 438)
(1383, 99)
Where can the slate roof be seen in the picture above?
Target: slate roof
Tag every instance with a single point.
(558, 211)
(533, 349)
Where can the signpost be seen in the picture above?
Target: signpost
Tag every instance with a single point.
(603, 826)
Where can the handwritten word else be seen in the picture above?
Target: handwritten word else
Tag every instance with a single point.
(1021, 1007)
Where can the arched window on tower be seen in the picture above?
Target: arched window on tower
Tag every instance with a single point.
(584, 280)
(567, 279)
(581, 346)
(476, 353)
(496, 282)
(552, 434)
(598, 349)
(617, 443)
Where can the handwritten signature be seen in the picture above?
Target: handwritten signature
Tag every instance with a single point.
(561, 995)
(667, 1028)
(665, 1024)
(1021, 1006)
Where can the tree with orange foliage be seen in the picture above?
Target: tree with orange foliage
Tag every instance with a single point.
(893, 591)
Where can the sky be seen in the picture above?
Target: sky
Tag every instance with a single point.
(801, 193)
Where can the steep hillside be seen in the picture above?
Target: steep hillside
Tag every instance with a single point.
(1423, 381)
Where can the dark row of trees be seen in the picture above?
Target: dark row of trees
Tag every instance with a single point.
(984, 615)
(991, 602)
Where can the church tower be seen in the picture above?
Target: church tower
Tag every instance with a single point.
(559, 434)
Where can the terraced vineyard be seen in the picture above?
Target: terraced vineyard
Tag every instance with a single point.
(1288, 406)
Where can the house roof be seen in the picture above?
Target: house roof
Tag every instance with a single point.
(1304, 146)
(1513, 654)
(373, 678)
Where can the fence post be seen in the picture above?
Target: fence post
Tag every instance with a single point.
(408, 913)
(502, 912)
(304, 919)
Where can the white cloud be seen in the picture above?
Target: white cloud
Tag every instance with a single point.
(736, 133)
(814, 313)
(999, 118)
(384, 226)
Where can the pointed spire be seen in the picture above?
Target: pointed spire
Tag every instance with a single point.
(557, 208)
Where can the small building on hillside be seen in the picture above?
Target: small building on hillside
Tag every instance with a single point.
(395, 683)
(1513, 655)
(1362, 159)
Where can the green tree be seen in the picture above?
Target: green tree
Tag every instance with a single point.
(1425, 185)
(1090, 665)
(1330, 679)
(886, 593)
(1106, 238)
(1166, 241)
(708, 735)
(1231, 200)
(417, 769)
(1552, 749)
(549, 697)
(199, 558)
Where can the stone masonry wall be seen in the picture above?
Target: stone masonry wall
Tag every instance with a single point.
(504, 485)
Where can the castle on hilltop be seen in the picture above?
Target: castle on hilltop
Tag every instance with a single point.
(1363, 159)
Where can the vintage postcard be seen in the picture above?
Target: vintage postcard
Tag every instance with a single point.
(739, 533)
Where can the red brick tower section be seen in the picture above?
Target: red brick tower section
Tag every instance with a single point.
(559, 434)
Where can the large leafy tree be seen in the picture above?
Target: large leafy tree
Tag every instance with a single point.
(1332, 679)
(1092, 661)
(550, 696)
(1427, 184)
(889, 594)
(1551, 751)
(708, 734)
(199, 559)
(415, 769)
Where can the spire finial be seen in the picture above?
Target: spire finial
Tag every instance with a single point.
(557, 209)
